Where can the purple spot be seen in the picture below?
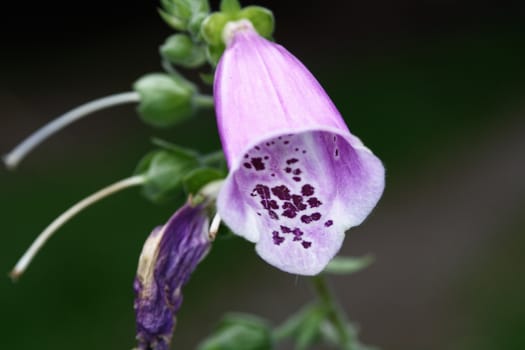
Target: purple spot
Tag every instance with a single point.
(282, 192)
(277, 240)
(288, 170)
(297, 172)
(292, 160)
(269, 204)
(286, 142)
(266, 157)
(315, 216)
(307, 190)
(273, 174)
(285, 229)
(258, 148)
(247, 165)
(306, 244)
(263, 191)
(337, 152)
(296, 179)
(314, 202)
(273, 215)
(258, 163)
(258, 213)
(304, 151)
(298, 202)
(273, 142)
(268, 144)
(246, 156)
(329, 223)
(280, 137)
(297, 150)
(297, 234)
(289, 213)
(306, 219)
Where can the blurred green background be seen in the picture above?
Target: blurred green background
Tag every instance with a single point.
(435, 88)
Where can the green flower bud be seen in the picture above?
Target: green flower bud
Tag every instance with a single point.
(164, 100)
(230, 6)
(180, 49)
(212, 26)
(261, 18)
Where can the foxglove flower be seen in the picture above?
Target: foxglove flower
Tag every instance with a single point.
(168, 258)
(298, 178)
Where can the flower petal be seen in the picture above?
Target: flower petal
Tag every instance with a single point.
(168, 258)
(298, 177)
(296, 194)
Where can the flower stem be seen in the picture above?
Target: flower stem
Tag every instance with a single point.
(335, 314)
(39, 242)
(13, 158)
(204, 101)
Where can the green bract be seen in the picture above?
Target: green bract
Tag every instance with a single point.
(164, 99)
(164, 171)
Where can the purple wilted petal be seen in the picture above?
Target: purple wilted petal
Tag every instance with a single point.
(298, 178)
(168, 258)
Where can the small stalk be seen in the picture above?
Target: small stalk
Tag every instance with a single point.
(335, 314)
(13, 158)
(204, 101)
(39, 242)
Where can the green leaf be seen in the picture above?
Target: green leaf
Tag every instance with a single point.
(230, 6)
(164, 171)
(180, 49)
(178, 8)
(341, 265)
(195, 23)
(176, 149)
(164, 99)
(239, 332)
(172, 21)
(198, 178)
(261, 18)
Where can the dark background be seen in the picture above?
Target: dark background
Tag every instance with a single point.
(435, 88)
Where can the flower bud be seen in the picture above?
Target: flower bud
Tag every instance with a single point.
(164, 99)
(180, 49)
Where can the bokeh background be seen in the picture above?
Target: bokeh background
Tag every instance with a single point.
(435, 88)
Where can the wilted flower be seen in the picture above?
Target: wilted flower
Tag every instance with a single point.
(298, 177)
(168, 258)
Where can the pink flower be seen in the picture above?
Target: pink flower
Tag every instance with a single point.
(298, 178)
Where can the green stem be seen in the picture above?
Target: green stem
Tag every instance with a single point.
(335, 314)
(204, 101)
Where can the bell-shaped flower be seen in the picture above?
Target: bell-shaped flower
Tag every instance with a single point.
(169, 256)
(298, 178)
